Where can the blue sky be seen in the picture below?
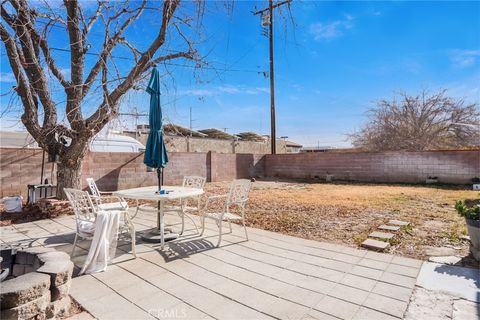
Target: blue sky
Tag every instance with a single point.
(330, 68)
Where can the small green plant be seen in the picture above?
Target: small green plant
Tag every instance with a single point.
(468, 208)
(408, 228)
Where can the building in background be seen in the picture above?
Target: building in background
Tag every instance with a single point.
(292, 147)
(105, 141)
(181, 139)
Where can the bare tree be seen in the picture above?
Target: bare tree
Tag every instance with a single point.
(422, 122)
(28, 31)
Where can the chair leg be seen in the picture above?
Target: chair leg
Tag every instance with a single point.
(245, 228)
(136, 210)
(182, 214)
(74, 244)
(219, 233)
(134, 240)
(203, 226)
(193, 221)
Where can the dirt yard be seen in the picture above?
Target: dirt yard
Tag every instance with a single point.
(347, 213)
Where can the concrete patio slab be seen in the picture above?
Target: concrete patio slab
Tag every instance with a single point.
(465, 310)
(270, 276)
(457, 281)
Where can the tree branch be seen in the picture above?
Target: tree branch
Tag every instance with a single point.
(102, 115)
(30, 115)
(22, 24)
(109, 44)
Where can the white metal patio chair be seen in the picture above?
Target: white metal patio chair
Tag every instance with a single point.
(85, 215)
(184, 210)
(237, 196)
(98, 196)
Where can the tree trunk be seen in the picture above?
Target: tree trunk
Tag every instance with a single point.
(69, 170)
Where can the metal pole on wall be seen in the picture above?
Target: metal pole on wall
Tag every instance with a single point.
(43, 167)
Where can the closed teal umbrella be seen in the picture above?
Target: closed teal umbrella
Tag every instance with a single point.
(156, 151)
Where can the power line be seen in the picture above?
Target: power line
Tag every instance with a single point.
(165, 63)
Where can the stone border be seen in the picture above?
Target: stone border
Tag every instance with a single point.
(41, 285)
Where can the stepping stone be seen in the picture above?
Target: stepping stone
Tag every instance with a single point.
(439, 251)
(389, 228)
(375, 245)
(382, 235)
(445, 260)
(398, 223)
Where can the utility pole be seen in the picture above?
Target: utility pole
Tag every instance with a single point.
(271, 6)
(191, 122)
(136, 115)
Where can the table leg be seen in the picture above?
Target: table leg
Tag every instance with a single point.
(157, 234)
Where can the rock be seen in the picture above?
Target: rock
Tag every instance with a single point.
(382, 235)
(18, 270)
(398, 223)
(60, 271)
(61, 291)
(21, 258)
(31, 310)
(445, 260)
(59, 308)
(464, 237)
(375, 244)
(439, 251)
(53, 256)
(23, 289)
(29, 268)
(389, 228)
(30, 254)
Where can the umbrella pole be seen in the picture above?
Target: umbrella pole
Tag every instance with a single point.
(160, 178)
(159, 205)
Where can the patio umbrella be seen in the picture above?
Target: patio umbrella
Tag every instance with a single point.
(156, 151)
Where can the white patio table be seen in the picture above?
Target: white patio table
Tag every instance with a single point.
(151, 193)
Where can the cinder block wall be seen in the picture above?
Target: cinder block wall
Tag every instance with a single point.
(241, 165)
(456, 166)
(114, 171)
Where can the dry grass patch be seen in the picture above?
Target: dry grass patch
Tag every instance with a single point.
(347, 213)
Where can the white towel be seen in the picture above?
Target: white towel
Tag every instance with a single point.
(104, 243)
